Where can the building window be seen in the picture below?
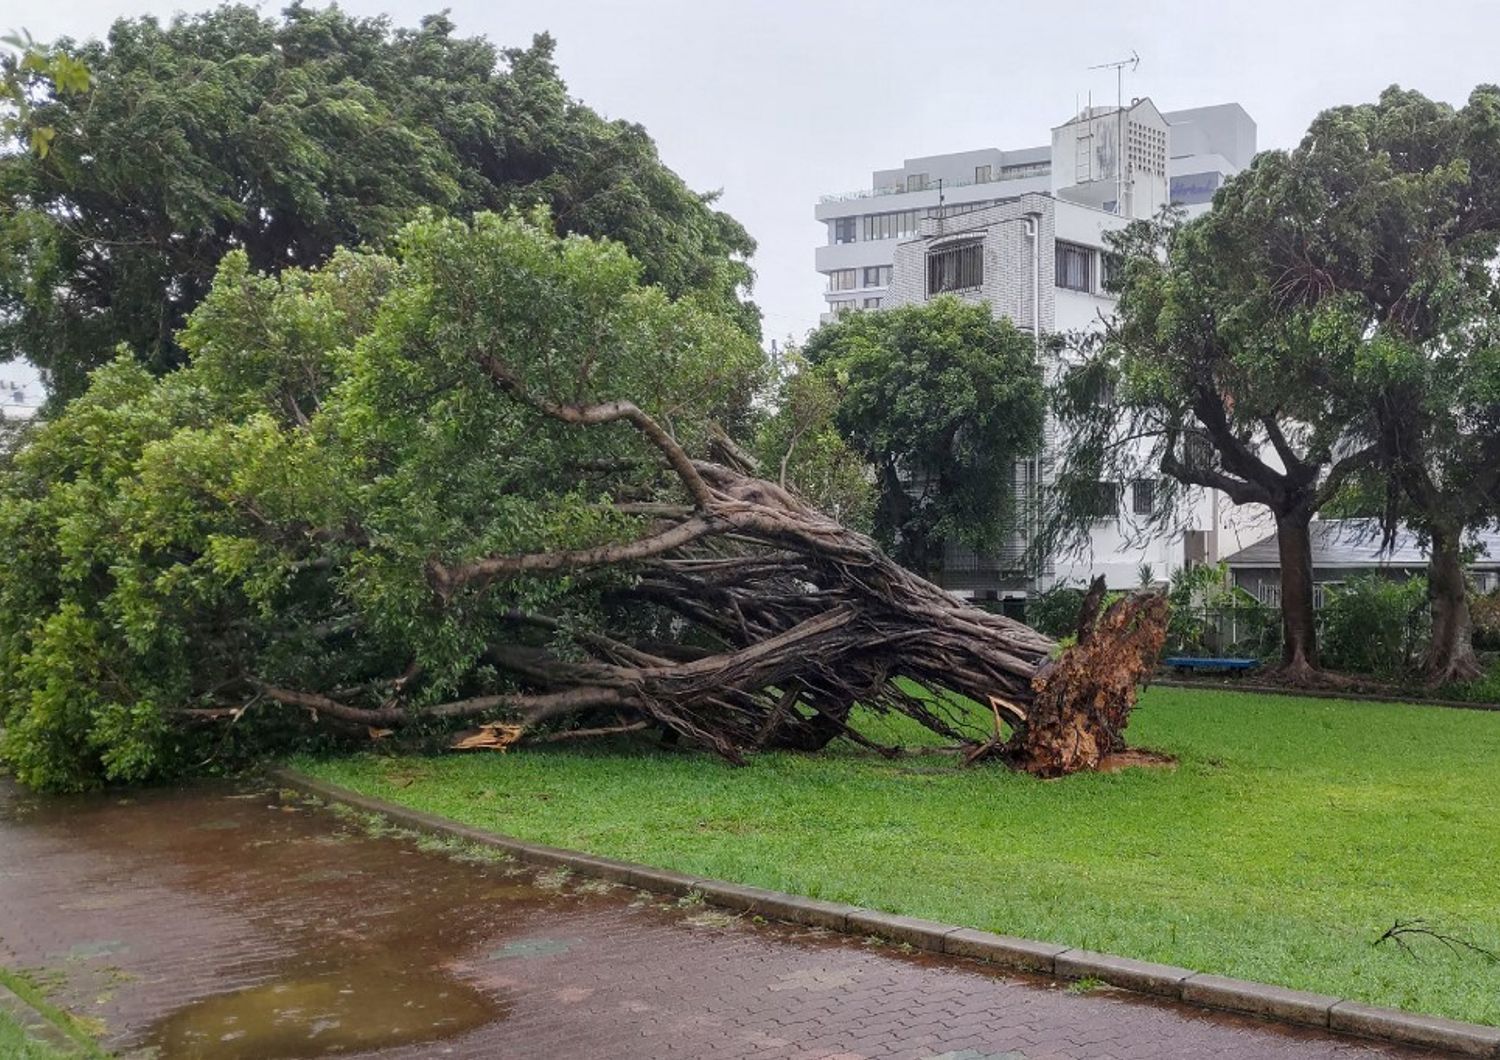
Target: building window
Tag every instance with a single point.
(1074, 267)
(890, 225)
(1112, 270)
(1143, 496)
(841, 280)
(877, 275)
(983, 174)
(839, 306)
(916, 182)
(955, 268)
(1198, 452)
(843, 229)
(1100, 500)
(873, 303)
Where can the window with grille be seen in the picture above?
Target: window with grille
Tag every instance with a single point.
(1143, 496)
(1100, 500)
(842, 280)
(1197, 452)
(955, 268)
(1074, 267)
(843, 229)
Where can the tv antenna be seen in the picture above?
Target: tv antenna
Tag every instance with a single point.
(1119, 68)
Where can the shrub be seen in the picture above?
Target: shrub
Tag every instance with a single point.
(1055, 612)
(1485, 611)
(1375, 625)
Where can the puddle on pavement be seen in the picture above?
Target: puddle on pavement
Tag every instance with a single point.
(341, 1010)
(355, 941)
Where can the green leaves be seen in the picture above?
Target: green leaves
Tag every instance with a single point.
(286, 138)
(941, 399)
(269, 511)
(32, 64)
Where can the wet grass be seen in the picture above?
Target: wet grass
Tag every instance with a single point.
(16, 1044)
(1292, 833)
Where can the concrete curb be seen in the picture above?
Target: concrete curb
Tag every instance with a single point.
(1160, 980)
(1321, 693)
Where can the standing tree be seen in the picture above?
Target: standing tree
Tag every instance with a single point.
(287, 138)
(1334, 314)
(941, 400)
(1202, 379)
(478, 479)
(1389, 232)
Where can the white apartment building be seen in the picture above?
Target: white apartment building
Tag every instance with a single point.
(1024, 232)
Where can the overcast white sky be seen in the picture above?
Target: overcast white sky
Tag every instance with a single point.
(780, 101)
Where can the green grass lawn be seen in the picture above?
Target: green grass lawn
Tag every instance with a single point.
(1292, 833)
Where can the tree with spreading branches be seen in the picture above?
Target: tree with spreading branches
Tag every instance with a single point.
(488, 479)
(285, 138)
(1329, 321)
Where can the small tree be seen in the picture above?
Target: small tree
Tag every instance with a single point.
(941, 400)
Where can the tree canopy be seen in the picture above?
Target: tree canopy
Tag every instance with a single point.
(941, 400)
(288, 137)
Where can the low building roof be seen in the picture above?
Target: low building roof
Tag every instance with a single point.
(1355, 544)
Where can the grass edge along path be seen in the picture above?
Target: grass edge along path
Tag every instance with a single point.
(69, 1041)
(1290, 836)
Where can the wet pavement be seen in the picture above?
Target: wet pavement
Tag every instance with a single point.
(228, 922)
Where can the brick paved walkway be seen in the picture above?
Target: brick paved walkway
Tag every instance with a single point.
(225, 923)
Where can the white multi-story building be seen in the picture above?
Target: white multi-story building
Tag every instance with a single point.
(1024, 232)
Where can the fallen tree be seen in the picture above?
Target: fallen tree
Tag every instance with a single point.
(404, 495)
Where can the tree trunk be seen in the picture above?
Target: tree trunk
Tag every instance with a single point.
(1299, 637)
(1450, 652)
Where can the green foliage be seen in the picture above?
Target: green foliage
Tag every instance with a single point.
(1211, 616)
(288, 137)
(1055, 612)
(1290, 833)
(1485, 611)
(1485, 689)
(941, 400)
(800, 446)
(267, 513)
(1375, 625)
(31, 66)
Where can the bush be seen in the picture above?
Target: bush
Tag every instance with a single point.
(1210, 616)
(1485, 611)
(1055, 612)
(1375, 625)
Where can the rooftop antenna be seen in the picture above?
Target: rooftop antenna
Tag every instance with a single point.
(1119, 68)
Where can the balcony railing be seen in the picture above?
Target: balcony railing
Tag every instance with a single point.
(1016, 172)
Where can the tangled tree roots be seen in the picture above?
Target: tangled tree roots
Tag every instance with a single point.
(790, 620)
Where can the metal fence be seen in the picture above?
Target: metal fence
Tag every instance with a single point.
(1246, 631)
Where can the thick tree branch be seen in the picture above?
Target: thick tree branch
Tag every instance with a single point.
(605, 412)
(447, 579)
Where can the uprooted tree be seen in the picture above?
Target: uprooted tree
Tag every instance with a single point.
(490, 478)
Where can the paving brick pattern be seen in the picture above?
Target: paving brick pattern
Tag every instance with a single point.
(227, 923)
